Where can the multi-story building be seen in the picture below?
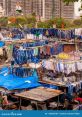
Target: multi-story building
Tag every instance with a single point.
(67, 11)
(57, 8)
(28, 6)
(6, 5)
(2, 9)
(45, 9)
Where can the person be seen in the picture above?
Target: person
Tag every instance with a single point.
(77, 98)
(66, 97)
(1, 36)
(5, 54)
(1, 101)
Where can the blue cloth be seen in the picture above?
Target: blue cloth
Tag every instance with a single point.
(52, 32)
(34, 44)
(35, 60)
(1, 44)
(70, 89)
(52, 50)
(22, 72)
(4, 70)
(27, 55)
(18, 33)
(12, 82)
(49, 86)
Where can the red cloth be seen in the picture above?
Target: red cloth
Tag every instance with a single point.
(48, 50)
(78, 99)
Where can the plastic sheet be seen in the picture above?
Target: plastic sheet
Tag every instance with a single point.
(12, 82)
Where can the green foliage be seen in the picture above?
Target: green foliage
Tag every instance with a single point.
(68, 1)
(46, 24)
(59, 22)
(21, 20)
(34, 14)
(42, 25)
(28, 21)
(3, 21)
(50, 23)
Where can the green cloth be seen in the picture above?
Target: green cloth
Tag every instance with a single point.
(37, 34)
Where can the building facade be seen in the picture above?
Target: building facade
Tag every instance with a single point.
(57, 8)
(45, 9)
(6, 5)
(2, 9)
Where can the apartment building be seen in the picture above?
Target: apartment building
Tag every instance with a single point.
(45, 9)
(57, 8)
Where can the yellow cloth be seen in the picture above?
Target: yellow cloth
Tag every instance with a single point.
(63, 56)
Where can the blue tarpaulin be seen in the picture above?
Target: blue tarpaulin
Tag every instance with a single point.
(4, 70)
(1, 44)
(12, 82)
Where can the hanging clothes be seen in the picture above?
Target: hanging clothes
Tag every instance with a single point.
(35, 51)
(52, 51)
(22, 72)
(48, 50)
(9, 50)
(48, 64)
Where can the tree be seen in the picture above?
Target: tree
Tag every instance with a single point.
(3, 21)
(21, 20)
(43, 25)
(59, 22)
(68, 1)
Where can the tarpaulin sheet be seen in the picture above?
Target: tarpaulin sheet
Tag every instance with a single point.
(4, 70)
(1, 44)
(12, 82)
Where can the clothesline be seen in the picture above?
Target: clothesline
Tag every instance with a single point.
(16, 65)
(63, 61)
(37, 46)
(18, 41)
(28, 48)
(71, 61)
